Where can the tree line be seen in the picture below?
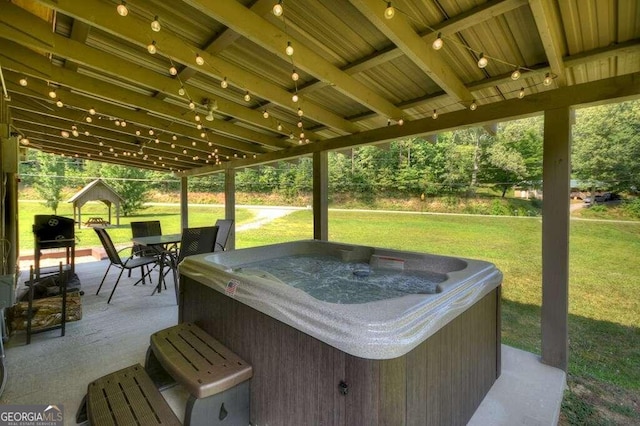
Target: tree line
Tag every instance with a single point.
(605, 152)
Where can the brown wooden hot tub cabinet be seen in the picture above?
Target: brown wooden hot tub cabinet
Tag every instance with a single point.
(299, 380)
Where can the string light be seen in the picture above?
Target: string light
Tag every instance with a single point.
(515, 74)
(117, 122)
(289, 49)
(401, 122)
(547, 80)
(197, 117)
(279, 127)
(173, 70)
(122, 9)
(521, 93)
(92, 111)
(155, 24)
(473, 106)
(174, 137)
(151, 132)
(199, 126)
(295, 97)
(390, 11)
(224, 83)
(300, 124)
(192, 105)
(151, 48)
(277, 8)
(137, 132)
(88, 119)
(23, 82)
(53, 94)
(435, 114)
(438, 42)
(265, 114)
(59, 104)
(482, 61)
(300, 112)
(199, 59)
(64, 134)
(247, 97)
(295, 76)
(74, 131)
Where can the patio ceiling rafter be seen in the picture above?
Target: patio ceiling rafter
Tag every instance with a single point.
(99, 14)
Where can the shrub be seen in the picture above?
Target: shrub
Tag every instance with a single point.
(632, 208)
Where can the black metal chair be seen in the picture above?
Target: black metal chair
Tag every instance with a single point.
(129, 263)
(225, 229)
(194, 241)
(145, 229)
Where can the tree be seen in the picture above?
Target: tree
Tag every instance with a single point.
(606, 145)
(50, 181)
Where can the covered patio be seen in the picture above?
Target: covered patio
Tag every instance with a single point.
(199, 87)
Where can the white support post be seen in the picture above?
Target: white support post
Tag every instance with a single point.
(555, 237)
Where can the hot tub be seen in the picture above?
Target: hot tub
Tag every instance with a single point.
(325, 317)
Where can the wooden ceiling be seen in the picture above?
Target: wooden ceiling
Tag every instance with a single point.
(360, 75)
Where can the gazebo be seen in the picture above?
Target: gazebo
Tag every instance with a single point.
(98, 190)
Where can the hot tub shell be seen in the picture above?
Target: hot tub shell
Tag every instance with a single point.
(416, 359)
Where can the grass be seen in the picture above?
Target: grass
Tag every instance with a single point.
(604, 310)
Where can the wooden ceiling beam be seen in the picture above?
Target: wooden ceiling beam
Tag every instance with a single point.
(103, 16)
(620, 88)
(38, 90)
(402, 34)
(260, 31)
(41, 39)
(547, 22)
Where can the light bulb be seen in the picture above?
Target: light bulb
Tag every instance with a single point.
(92, 111)
(300, 112)
(75, 133)
(88, 119)
(86, 133)
(295, 98)
(197, 117)
(117, 123)
(279, 127)
(199, 59)
(150, 132)
(123, 123)
(155, 24)
(59, 104)
(473, 106)
(300, 124)
(438, 42)
(157, 140)
(122, 9)
(277, 8)
(101, 143)
(401, 122)
(547, 80)
(435, 114)
(23, 81)
(291, 136)
(151, 48)
(224, 83)
(137, 132)
(173, 70)
(289, 49)
(247, 97)
(515, 74)
(482, 61)
(111, 149)
(389, 12)
(64, 134)
(192, 104)
(53, 94)
(181, 91)
(100, 153)
(174, 137)
(521, 93)
(265, 114)
(199, 126)
(173, 145)
(194, 142)
(203, 135)
(184, 151)
(295, 76)
(301, 135)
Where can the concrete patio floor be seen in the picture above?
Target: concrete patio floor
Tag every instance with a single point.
(527, 392)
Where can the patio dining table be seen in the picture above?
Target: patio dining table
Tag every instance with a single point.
(166, 245)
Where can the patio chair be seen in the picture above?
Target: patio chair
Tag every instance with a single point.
(129, 263)
(145, 229)
(194, 241)
(225, 229)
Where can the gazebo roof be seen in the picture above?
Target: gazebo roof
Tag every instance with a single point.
(360, 75)
(96, 190)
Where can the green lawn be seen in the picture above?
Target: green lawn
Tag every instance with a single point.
(604, 321)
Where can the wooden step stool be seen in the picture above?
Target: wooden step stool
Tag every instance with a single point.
(127, 397)
(216, 378)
